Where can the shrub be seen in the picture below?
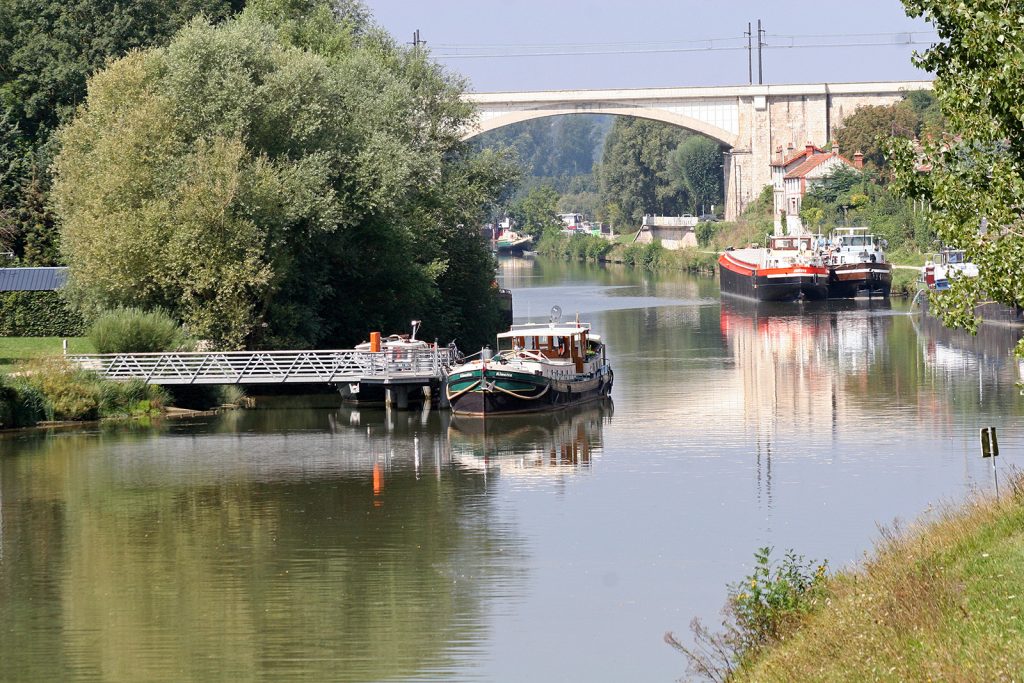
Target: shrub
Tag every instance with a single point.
(644, 255)
(131, 330)
(52, 389)
(760, 610)
(69, 393)
(131, 398)
(581, 247)
(20, 405)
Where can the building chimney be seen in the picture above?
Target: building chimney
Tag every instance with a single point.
(778, 154)
(810, 148)
(835, 148)
(858, 160)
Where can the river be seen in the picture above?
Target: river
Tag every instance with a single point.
(348, 544)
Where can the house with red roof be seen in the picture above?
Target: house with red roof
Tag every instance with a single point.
(798, 171)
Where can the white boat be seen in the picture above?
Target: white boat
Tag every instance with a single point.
(856, 263)
(537, 367)
(946, 266)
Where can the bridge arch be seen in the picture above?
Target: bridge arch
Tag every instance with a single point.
(494, 122)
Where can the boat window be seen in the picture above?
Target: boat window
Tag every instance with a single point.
(956, 257)
(504, 344)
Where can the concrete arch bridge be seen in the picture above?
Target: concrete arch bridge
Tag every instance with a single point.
(752, 121)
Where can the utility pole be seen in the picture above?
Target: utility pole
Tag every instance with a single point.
(750, 55)
(416, 42)
(760, 44)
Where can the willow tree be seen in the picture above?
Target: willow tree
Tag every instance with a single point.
(973, 176)
(288, 177)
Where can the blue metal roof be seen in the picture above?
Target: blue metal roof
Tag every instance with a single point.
(32, 279)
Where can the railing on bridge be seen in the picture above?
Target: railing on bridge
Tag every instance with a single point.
(273, 367)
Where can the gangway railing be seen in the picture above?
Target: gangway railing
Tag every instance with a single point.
(389, 366)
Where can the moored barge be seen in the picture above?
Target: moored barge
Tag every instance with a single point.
(537, 367)
(787, 270)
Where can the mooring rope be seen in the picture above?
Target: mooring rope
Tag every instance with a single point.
(520, 396)
(459, 393)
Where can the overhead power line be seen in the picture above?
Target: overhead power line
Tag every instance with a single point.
(771, 42)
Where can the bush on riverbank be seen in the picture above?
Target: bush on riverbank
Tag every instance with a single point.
(132, 330)
(52, 389)
(580, 247)
(939, 602)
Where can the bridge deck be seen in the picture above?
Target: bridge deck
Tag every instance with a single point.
(272, 367)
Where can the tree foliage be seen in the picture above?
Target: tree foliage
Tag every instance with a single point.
(634, 171)
(288, 177)
(537, 211)
(551, 147)
(975, 171)
(866, 129)
(50, 48)
(47, 50)
(696, 166)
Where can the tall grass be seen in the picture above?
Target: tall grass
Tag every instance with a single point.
(940, 601)
(52, 389)
(132, 330)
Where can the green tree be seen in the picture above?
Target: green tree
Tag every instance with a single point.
(974, 178)
(867, 128)
(696, 166)
(291, 183)
(50, 47)
(537, 211)
(634, 173)
(47, 50)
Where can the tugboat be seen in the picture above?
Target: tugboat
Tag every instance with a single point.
(537, 367)
(787, 270)
(856, 263)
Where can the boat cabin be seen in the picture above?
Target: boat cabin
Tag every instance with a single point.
(853, 237)
(791, 242)
(569, 343)
(950, 256)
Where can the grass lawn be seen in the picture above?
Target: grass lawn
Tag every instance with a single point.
(15, 349)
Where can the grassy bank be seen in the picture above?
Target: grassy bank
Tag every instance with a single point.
(49, 389)
(651, 256)
(16, 349)
(941, 601)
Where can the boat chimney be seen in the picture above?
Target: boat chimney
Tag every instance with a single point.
(486, 353)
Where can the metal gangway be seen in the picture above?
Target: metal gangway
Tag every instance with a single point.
(389, 366)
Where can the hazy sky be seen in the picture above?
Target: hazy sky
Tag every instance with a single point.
(682, 32)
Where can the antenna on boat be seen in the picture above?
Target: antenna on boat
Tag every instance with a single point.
(415, 329)
(556, 314)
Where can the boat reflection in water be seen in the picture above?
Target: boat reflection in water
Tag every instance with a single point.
(544, 443)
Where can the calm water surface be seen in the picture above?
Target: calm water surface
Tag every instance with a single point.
(358, 545)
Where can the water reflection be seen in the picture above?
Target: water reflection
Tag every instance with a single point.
(551, 444)
(314, 545)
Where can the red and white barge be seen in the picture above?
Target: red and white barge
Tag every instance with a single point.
(788, 269)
